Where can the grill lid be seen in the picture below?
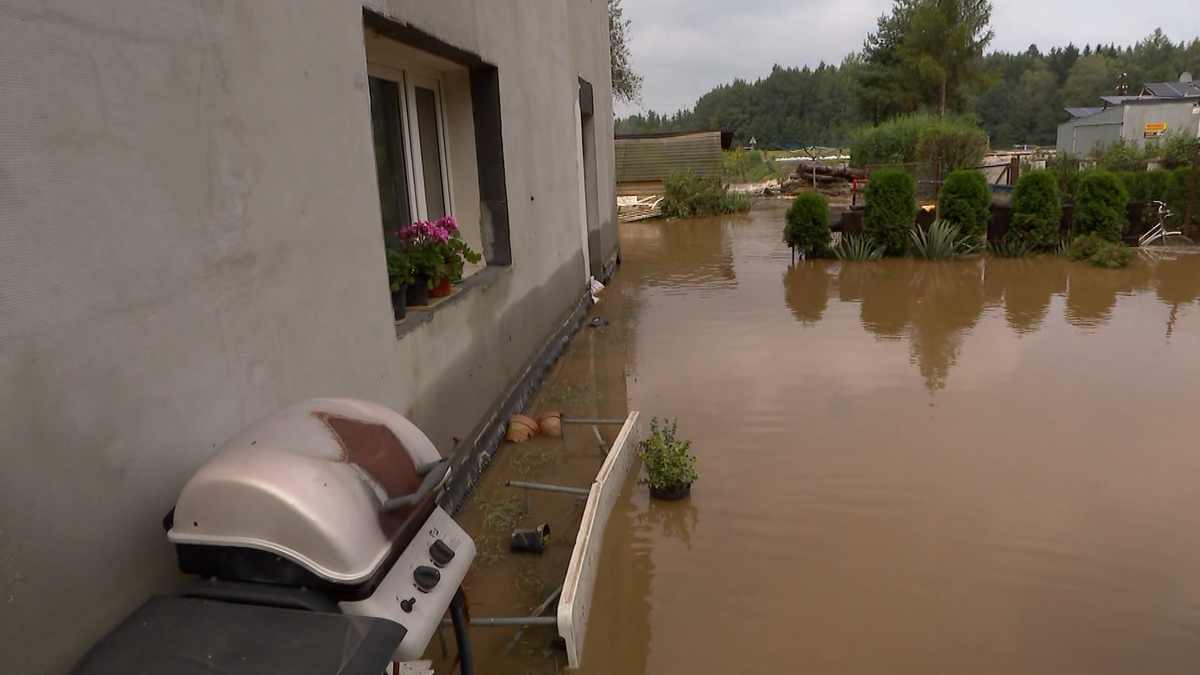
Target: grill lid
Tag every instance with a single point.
(309, 483)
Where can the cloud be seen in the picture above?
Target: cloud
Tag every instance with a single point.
(683, 48)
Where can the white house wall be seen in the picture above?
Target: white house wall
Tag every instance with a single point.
(190, 238)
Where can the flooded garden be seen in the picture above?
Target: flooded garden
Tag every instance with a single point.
(978, 465)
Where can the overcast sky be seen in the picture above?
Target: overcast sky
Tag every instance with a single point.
(683, 48)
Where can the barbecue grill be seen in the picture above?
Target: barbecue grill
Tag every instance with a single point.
(327, 506)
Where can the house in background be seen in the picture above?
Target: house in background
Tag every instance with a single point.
(195, 200)
(1161, 108)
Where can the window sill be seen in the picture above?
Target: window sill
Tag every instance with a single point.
(481, 279)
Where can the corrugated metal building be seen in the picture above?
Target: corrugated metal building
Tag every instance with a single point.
(1161, 108)
(646, 158)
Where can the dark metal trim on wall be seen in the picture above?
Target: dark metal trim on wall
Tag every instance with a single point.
(415, 37)
(587, 102)
(489, 157)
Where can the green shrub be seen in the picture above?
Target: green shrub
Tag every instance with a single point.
(964, 200)
(950, 144)
(1100, 206)
(943, 241)
(891, 209)
(749, 166)
(1037, 211)
(1099, 251)
(808, 225)
(686, 195)
(1120, 155)
(858, 248)
(1066, 167)
(1177, 194)
(1154, 185)
(668, 464)
(1174, 150)
(1134, 185)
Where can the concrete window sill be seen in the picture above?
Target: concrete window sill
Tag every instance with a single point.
(481, 279)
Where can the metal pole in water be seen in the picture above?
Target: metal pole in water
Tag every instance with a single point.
(537, 612)
(582, 492)
(503, 621)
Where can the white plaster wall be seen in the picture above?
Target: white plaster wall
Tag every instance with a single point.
(190, 238)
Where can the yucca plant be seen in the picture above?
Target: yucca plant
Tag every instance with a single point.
(942, 241)
(858, 248)
(1010, 247)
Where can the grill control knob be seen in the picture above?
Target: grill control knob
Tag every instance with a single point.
(407, 605)
(426, 578)
(440, 553)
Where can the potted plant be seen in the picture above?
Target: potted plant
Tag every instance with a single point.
(670, 470)
(437, 252)
(400, 276)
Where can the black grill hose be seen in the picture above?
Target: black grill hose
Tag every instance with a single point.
(458, 616)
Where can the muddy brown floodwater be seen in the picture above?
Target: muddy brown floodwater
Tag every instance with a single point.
(983, 466)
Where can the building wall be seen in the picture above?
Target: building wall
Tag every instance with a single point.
(1178, 115)
(1079, 136)
(190, 238)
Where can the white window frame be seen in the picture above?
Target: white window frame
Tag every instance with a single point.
(406, 81)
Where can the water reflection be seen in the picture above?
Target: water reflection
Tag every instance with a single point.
(1175, 279)
(949, 300)
(671, 520)
(931, 304)
(679, 254)
(1029, 285)
(1036, 520)
(806, 290)
(625, 600)
(935, 305)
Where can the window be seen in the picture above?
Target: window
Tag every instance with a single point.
(410, 153)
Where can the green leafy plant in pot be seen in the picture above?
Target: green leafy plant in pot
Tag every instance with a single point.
(400, 277)
(670, 470)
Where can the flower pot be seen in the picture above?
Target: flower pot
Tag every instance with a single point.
(400, 303)
(532, 540)
(670, 495)
(521, 428)
(550, 424)
(418, 291)
(442, 289)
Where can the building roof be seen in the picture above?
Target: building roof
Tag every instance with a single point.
(726, 136)
(1079, 113)
(1171, 89)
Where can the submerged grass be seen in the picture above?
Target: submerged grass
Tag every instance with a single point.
(566, 395)
(489, 549)
(502, 515)
(531, 461)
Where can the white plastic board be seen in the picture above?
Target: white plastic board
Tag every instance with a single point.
(576, 600)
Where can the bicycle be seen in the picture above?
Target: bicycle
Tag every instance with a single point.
(1160, 231)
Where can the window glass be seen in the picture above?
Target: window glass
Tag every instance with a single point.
(389, 157)
(430, 160)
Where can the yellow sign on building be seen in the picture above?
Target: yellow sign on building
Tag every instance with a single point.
(1155, 129)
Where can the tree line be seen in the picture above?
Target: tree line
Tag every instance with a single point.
(928, 56)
